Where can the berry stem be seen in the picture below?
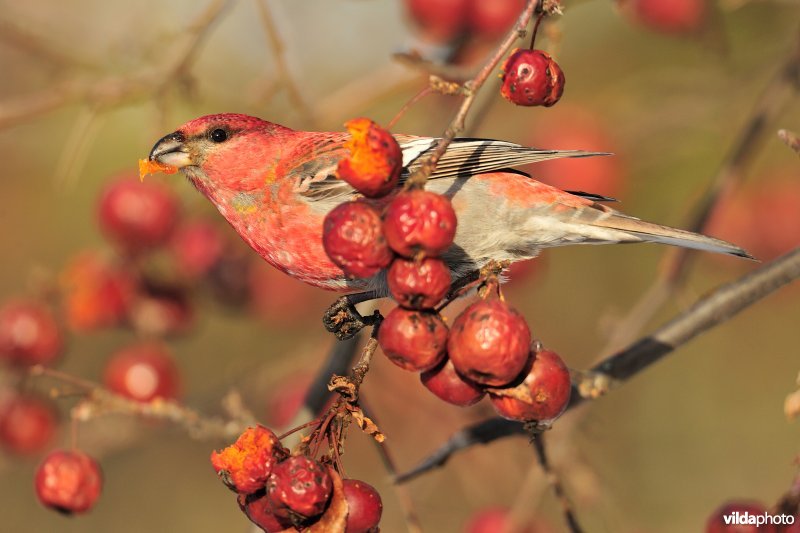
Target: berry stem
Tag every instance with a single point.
(403, 110)
(536, 29)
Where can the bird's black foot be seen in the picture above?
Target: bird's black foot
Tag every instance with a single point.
(343, 320)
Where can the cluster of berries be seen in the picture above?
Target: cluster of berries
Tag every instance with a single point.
(488, 348)
(97, 291)
(283, 492)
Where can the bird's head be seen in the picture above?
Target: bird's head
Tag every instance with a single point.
(226, 152)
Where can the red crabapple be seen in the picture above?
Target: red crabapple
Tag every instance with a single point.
(418, 284)
(489, 343)
(137, 215)
(413, 340)
(375, 160)
(444, 382)
(299, 486)
(245, 465)
(68, 481)
(532, 78)
(27, 423)
(364, 506)
(142, 372)
(546, 391)
(354, 241)
(29, 333)
(419, 221)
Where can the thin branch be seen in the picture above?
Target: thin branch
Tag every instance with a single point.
(710, 311)
(781, 89)
(537, 441)
(100, 401)
(480, 433)
(471, 88)
(716, 308)
(411, 102)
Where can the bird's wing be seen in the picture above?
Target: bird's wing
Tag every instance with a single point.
(464, 157)
(467, 157)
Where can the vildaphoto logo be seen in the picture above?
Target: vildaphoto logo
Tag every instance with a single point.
(745, 518)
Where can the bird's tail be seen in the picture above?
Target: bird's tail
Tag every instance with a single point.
(638, 230)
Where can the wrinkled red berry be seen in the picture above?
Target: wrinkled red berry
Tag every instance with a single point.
(493, 19)
(29, 334)
(413, 340)
(489, 343)
(245, 465)
(375, 160)
(27, 423)
(97, 293)
(142, 372)
(364, 506)
(419, 221)
(531, 78)
(299, 486)
(257, 508)
(669, 16)
(137, 215)
(440, 20)
(418, 284)
(354, 241)
(197, 246)
(716, 522)
(542, 396)
(68, 481)
(444, 382)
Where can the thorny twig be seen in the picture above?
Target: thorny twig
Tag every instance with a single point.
(718, 307)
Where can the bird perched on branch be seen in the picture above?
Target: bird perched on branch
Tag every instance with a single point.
(275, 185)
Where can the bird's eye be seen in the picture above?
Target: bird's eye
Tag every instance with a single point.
(218, 135)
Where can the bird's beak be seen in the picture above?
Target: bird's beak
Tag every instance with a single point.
(170, 150)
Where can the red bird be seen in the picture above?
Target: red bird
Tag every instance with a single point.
(275, 185)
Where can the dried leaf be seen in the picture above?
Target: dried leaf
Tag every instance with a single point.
(366, 424)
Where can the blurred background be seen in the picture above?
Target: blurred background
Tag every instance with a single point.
(89, 86)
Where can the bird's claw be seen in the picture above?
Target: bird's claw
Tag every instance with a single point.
(343, 320)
